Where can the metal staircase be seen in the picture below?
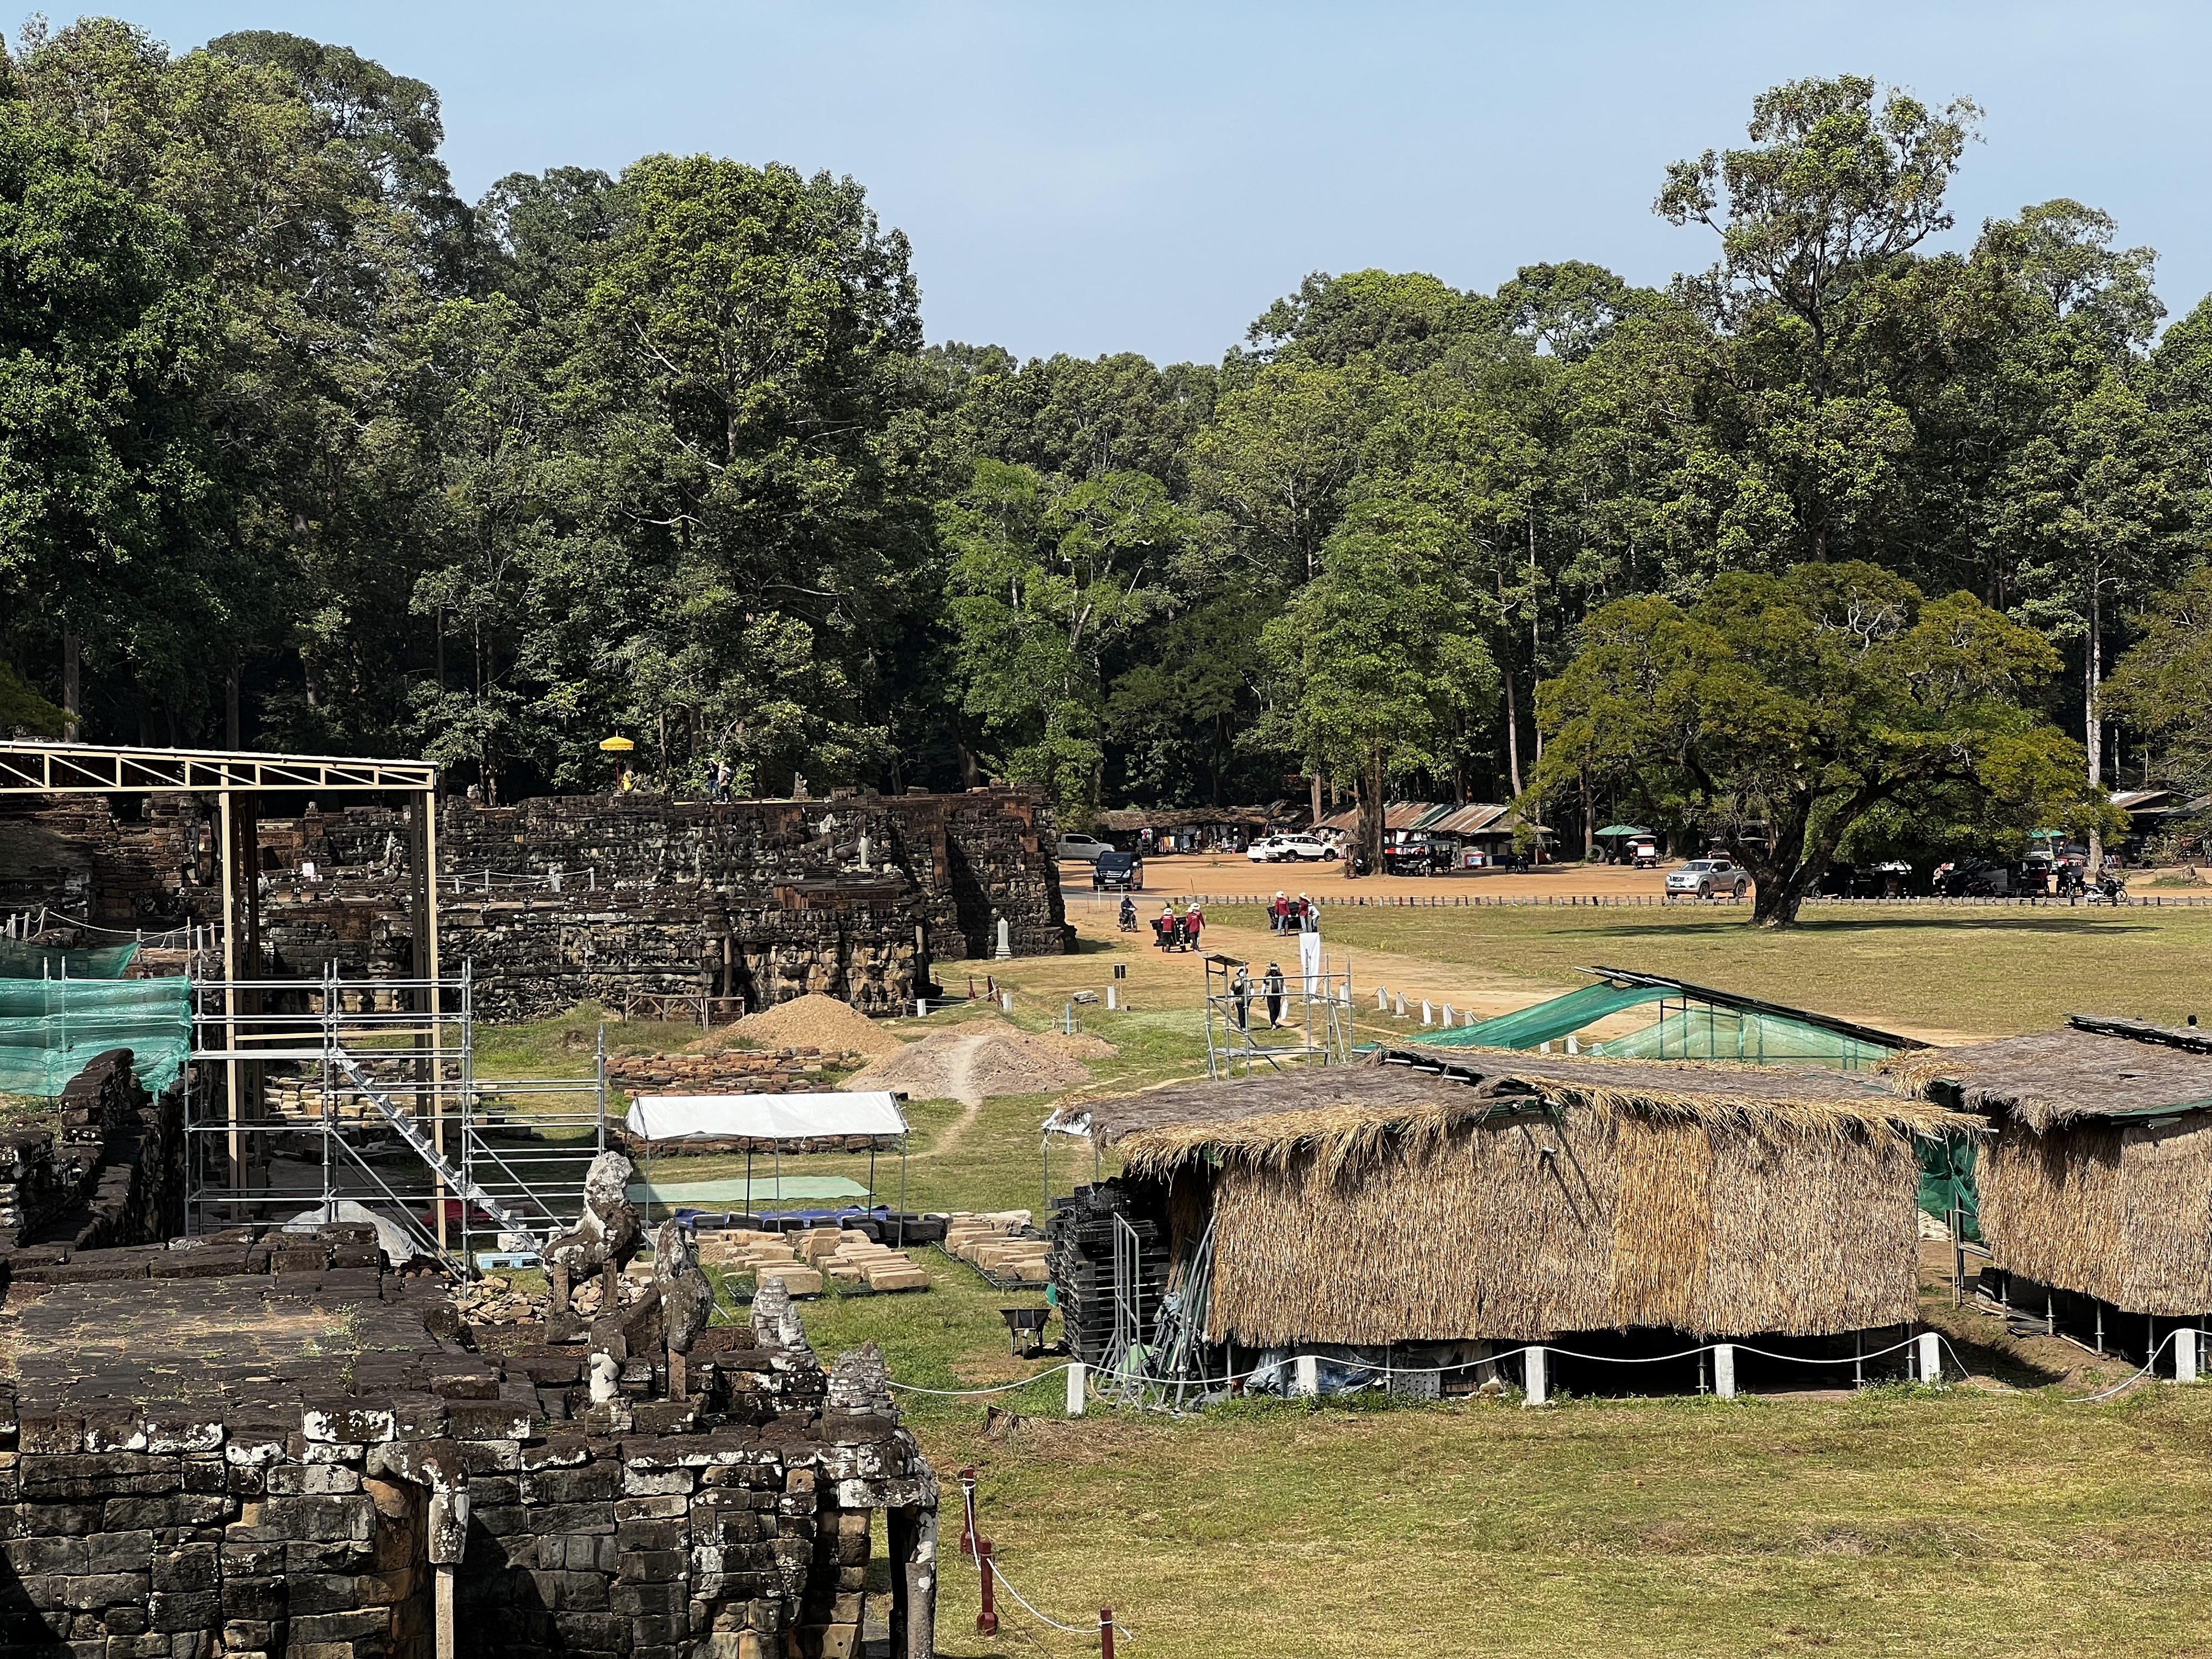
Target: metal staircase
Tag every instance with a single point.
(409, 1130)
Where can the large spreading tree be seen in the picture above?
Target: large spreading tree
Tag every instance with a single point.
(1779, 712)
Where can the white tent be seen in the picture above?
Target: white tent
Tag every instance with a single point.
(765, 1117)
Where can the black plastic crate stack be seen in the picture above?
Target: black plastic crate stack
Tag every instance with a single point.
(1081, 1229)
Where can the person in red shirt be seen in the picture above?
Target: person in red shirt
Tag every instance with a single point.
(1192, 921)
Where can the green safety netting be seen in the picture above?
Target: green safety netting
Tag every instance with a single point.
(1948, 1183)
(1547, 1022)
(50, 1029)
(1704, 1032)
(20, 959)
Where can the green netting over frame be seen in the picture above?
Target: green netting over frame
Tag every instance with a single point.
(1547, 1022)
(18, 959)
(51, 1028)
(1702, 1032)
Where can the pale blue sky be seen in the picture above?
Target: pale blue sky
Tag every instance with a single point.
(1122, 176)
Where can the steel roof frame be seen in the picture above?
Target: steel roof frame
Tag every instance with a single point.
(36, 767)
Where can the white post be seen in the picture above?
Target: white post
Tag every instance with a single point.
(1539, 1387)
(1573, 1046)
(921, 1007)
(1449, 1018)
(1931, 1363)
(1111, 1003)
(2184, 1355)
(1381, 1000)
(1075, 1389)
(1401, 1010)
(1724, 1370)
(1428, 1014)
(1306, 1376)
(1006, 1002)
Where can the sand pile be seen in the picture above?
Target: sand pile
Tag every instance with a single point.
(970, 1067)
(814, 1021)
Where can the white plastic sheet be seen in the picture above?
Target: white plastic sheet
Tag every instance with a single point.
(767, 1117)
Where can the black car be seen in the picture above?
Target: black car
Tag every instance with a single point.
(1118, 873)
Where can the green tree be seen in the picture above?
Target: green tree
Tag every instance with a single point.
(2096, 507)
(1047, 578)
(1382, 655)
(104, 335)
(2162, 687)
(745, 370)
(1824, 207)
(1780, 711)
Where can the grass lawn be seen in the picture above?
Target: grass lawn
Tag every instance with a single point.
(1923, 969)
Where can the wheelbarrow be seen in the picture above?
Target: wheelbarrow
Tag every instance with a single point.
(1026, 1330)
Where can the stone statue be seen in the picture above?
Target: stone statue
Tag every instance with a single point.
(604, 1238)
(686, 1298)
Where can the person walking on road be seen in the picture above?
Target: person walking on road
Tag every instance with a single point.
(1278, 1003)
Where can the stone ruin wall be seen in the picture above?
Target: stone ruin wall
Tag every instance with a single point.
(111, 1172)
(853, 897)
(185, 1471)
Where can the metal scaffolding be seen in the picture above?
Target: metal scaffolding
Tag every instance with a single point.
(399, 1122)
(1304, 1017)
(237, 779)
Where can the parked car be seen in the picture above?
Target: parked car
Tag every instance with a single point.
(1303, 846)
(1707, 877)
(1265, 850)
(1083, 849)
(1112, 872)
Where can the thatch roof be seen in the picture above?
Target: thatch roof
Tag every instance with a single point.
(2092, 1068)
(1346, 1113)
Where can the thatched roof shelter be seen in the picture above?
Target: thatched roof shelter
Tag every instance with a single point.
(2099, 1178)
(1446, 1195)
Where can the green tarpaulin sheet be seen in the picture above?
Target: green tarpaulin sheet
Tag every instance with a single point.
(50, 1029)
(1948, 1183)
(20, 959)
(1547, 1022)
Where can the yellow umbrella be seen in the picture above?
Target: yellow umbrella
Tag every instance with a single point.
(616, 746)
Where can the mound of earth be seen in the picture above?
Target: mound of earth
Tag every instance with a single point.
(814, 1021)
(970, 1067)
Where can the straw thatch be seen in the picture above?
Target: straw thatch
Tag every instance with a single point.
(2065, 1076)
(2100, 1178)
(1378, 1205)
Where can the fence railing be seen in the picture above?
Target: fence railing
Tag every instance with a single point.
(1650, 901)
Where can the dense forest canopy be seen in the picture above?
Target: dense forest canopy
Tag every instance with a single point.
(299, 449)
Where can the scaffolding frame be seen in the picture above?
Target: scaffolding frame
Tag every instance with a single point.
(1313, 1027)
(237, 778)
(448, 1168)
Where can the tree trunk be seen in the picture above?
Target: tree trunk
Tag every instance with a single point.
(1774, 904)
(1589, 823)
(231, 737)
(1372, 809)
(2092, 730)
(1315, 781)
(1512, 733)
(72, 681)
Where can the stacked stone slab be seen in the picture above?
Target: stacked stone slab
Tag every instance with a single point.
(214, 1450)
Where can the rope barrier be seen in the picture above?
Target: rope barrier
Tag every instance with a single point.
(1008, 1585)
(967, 1394)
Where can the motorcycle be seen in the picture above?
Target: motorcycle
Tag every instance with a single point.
(2110, 889)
